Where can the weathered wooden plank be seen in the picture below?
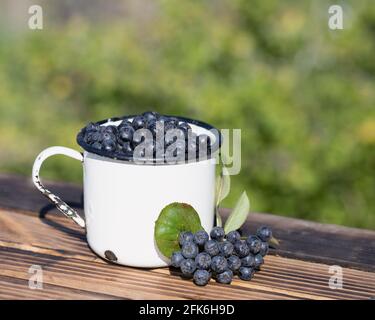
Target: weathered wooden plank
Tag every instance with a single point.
(312, 241)
(116, 280)
(19, 193)
(17, 288)
(67, 261)
(159, 284)
(300, 239)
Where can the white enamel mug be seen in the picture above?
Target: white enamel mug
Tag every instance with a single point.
(122, 200)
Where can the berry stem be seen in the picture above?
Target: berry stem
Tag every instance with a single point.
(274, 243)
(219, 221)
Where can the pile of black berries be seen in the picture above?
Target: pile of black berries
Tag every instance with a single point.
(153, 132)
(222, 256)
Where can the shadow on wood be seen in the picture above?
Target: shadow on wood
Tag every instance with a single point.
(45, 210)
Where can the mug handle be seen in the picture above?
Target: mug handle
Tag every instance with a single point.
(61, 205)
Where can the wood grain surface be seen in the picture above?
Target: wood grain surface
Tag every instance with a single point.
(33, 234)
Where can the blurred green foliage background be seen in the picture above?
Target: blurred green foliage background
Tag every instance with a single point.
(303, 95)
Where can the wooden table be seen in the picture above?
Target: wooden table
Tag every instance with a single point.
(33, 233)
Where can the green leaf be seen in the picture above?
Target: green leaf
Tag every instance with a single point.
(224, 159)
(218, 185)
(173, 219)
(222, 185)
(219, 221)
(239, 214)
(222, 191)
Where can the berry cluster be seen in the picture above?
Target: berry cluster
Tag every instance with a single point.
(153, 133)
(222, 256)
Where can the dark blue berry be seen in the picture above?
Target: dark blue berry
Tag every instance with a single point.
(241, 248)
(185, 236)
(184, 126)
(102, 129)
(156, 128)
(258, 260)
(96, 137)
(245, 273)
(219, 264)
(138, 122)
(92, 127)
(201, 237)
(212, 247)
(97, 145)
(225, 277)
(248, 261)
(88, 137)
(168, 125)
(150, 116)
(109, 145)
(264, 233)
(111, 129)
(174, 121)
(201, 277)
(254, 244)
(189, 250)
(203, 260)
(124, 123)
(234, 263)
(126, 147)
(163, 119)
(141, 135)
(188, 267)
(217, 233)
(226, 248)
(185, 142)
(176, 259)
(125, 133)
(264, 248)
(108, 136)
(233, 236)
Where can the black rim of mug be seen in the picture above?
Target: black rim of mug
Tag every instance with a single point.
(129, 157)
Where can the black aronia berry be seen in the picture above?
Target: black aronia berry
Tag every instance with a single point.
(221, 256)
(151, 137)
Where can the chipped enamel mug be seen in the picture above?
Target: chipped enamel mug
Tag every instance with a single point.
(123, 199)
